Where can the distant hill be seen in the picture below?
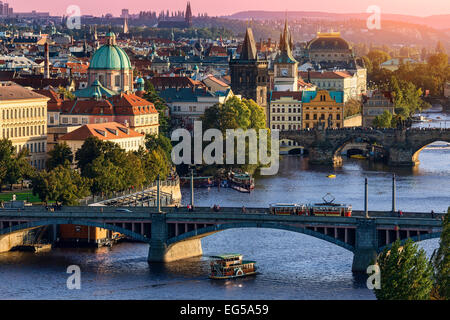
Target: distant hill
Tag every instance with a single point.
(435, 21)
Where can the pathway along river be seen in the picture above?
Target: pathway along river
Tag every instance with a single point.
(293, 266)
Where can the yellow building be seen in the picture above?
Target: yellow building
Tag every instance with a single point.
(324, 107)
(23, 120)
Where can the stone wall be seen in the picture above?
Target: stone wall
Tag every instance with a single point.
(353, 121)
(8, 241)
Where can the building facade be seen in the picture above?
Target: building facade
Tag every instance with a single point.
(23, 120)
(374, 105)
(323, 108)
(126, 138)
(286, 110)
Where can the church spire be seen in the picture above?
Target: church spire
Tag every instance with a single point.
(286, 45)
(248, 51)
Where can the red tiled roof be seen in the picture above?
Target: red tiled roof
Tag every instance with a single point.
(129, 103)
(123, 104)
(111, 130)
(219, 82)
(55, 102)
(297, 95)
(325, 74)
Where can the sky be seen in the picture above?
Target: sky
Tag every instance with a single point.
(220, 7)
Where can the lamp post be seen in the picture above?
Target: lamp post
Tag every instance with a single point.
(393, 193)
(366, 199)
(158, 195)
(192, 187)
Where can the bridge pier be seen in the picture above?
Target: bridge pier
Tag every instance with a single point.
(366, 245)
(160, 251)
(324, 156)
(403, 157)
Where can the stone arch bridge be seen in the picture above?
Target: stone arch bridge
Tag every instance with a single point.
(176, 234)
(402, 145)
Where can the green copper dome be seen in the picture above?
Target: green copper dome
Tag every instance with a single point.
(110, 57)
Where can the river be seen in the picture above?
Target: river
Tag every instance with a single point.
(292, 266)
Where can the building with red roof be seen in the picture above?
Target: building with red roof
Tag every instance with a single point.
(125, 137)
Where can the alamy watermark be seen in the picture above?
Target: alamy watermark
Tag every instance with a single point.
(213, 153)
(73, 17)
(74, 280)
(374, 20)
(374, 279)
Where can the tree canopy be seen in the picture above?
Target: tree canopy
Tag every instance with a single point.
(61, 154)
(61, 184)
(441, 261)
(406, 273)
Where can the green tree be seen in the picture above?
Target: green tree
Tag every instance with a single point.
(61, 184)
(153, 141)
(352, 107)
(15, 166)
(153, 163)
(384, 120)
(67, 94)
(91, 149)
(377, 57)
(61, 154)
(441, 261)
(406, 273)
(107, 178)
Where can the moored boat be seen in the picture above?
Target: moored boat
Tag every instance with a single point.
(231, 265)
(199, 182)
(242, 182)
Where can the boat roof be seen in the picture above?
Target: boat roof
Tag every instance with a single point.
(227, 256)
(285, 204)
(331, 205)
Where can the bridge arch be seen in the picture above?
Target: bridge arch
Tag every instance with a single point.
(341, 144)
(203, 232)
(422, 237)
(423, 145)
(41, 223)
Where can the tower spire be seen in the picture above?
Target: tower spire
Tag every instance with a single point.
(249, 51)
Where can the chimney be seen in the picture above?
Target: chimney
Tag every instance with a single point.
(46, 62)
(309, 75)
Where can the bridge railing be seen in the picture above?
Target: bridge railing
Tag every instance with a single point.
(129, 192)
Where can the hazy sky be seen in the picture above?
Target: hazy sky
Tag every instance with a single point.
(221, 7)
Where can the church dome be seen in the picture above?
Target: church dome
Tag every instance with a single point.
(110, 57)
(329, 41)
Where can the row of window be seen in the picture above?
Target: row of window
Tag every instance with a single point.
(146, 120)
(23, 131)
(286, 127)
(288, 110)
(129, 144)
(19, 113)
(75, 120)
(281, 118)
(322, 116)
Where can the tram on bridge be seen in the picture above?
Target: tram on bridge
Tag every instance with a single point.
(327, 208)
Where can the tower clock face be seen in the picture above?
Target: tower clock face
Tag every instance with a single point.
(284, 72)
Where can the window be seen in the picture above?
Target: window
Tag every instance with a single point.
(117, 81)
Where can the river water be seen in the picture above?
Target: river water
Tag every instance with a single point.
(292, 266)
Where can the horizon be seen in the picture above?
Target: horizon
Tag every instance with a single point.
(213, 8)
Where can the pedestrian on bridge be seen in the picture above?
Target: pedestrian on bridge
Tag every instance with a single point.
(400, 213)
(432, 214)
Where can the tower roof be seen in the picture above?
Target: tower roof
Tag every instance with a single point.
(249, 51)
(285, 55)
